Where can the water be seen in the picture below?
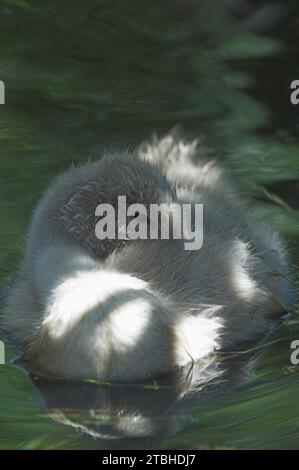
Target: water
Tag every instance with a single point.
(78, 79)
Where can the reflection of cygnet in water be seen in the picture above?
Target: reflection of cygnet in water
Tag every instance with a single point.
(144, 416)
(130, 415)
(126, 310)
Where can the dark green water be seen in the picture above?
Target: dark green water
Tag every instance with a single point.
(81, 76)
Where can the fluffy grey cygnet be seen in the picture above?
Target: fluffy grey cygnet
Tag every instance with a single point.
(86, 308)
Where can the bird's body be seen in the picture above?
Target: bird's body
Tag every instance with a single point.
(127, 310)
